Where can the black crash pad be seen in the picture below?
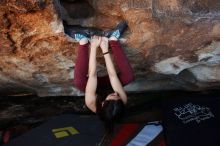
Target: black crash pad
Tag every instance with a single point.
(192, 121)
(64, 130)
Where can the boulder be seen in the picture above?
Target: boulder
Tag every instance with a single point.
(171, 44)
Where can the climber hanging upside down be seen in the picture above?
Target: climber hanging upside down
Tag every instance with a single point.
(108, 105)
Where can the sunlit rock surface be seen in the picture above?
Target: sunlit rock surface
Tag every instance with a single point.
(171, 44)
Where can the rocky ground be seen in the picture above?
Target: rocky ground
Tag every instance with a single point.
(31, 109)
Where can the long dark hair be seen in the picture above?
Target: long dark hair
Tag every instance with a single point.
(110, 111)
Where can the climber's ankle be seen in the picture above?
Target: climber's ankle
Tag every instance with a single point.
(83, 41)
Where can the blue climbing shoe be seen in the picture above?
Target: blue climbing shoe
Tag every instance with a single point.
(117, 31)
(77, 32)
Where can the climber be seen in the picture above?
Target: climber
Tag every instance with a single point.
(103, 95)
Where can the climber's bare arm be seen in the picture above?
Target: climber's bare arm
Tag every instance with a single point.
(90, 94)
(114, 80)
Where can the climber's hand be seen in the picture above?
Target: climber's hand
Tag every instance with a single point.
(95, 42)
(104, 44)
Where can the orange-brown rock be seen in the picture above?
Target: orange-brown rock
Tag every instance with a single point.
(172, 44)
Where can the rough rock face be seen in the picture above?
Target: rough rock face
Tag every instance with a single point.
(172, 44)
